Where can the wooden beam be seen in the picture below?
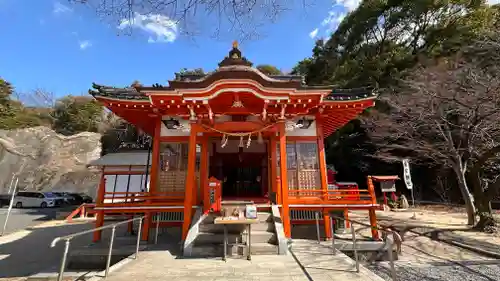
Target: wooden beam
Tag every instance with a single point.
(232, 126)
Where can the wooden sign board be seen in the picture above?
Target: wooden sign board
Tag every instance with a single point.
(388, 186)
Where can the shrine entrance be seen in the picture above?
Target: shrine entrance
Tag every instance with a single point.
(242, 170)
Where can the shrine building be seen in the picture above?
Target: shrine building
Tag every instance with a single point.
(260, 136)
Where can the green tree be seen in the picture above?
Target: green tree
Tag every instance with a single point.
(75, 114)
(269, 69)
(379, 45)
(186, 73)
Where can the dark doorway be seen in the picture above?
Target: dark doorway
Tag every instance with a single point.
(243, 175)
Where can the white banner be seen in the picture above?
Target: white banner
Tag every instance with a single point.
(406, 174)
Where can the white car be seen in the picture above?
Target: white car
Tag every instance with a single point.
(36, 199)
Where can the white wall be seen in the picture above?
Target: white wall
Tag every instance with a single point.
(311, 131)
(137, 184)
(167, 132)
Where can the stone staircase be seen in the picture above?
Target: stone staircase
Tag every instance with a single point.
(209, 241)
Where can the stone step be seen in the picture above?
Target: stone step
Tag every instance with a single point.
(262, 216)
(262, 237)
(265, 217)
(217, 228)
(215, 238)
(263, 227)
(218, 238)
(217, 250)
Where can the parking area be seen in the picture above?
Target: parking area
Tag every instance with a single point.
(23, 218)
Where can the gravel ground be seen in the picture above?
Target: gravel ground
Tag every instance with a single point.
(449, 271)
(424, 259)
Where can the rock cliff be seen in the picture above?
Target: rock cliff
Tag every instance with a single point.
(45, 160)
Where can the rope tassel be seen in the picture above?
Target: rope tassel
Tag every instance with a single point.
(249, 140)
(241, 141)
(260, 140)
(224, 141)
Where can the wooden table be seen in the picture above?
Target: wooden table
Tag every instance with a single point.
(248, 222)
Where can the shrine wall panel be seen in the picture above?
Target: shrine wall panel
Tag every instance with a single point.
(311, 131)
(172, 174)
(302, 165)
(165, 132)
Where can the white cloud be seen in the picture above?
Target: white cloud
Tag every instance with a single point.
(61, 9)
(349, 5)
(161, 29)
(337, 13)
(85, 44)
(492, 2)
(314, 33)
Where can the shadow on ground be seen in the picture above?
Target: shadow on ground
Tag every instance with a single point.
(28, 252)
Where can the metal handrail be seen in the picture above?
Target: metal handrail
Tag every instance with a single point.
(389, 241)
(68, 238)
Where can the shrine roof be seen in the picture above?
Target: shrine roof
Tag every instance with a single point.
(127, 93)
(234, 70)
(139, 93)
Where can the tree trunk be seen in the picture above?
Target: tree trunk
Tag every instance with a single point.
(466, 195)
(483, 198)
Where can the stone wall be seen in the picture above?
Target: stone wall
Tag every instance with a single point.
(46, 161)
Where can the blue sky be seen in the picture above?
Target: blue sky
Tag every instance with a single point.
(62, 48)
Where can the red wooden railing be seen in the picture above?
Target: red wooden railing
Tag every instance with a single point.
(83, 211)
(331, 197)
(142, 198)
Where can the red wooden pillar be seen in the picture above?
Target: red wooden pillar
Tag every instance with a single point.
(346, 217)
(371, 212)
(284, 181)
(99, 202)
(190, 181)
(272, 169)
(203, 168)
(153, 180)
(322, 171)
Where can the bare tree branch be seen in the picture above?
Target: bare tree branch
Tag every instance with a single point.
(241, 17)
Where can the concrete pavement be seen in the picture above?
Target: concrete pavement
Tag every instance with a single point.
(22, 218)
(308, 261)
(27, 252)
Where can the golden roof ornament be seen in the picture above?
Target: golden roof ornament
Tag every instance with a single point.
(234, 57)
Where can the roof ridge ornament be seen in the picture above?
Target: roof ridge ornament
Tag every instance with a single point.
(235, 57)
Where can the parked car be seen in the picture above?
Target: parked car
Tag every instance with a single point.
(4, 200)
(37, 199)
(86, 198)
(67, 197)
(81, 198)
